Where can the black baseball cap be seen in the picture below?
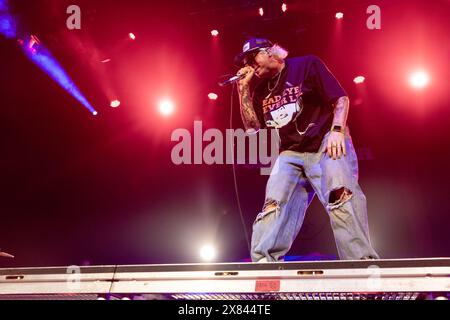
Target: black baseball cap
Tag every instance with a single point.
(250, 46)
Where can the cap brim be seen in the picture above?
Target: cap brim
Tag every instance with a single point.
(239, 59)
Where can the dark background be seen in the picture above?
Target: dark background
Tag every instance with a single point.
(79, 189)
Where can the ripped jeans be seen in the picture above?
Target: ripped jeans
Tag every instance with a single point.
(295, 179)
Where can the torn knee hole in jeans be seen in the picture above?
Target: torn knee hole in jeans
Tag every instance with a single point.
(271, 206)
(338, 197)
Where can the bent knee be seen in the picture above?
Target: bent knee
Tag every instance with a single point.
(339, 197)
(271, 207)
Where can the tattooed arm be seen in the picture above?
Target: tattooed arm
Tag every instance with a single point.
(341, 112)
(336, 139)
(248, 114)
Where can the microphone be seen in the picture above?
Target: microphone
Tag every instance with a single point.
(231, 80)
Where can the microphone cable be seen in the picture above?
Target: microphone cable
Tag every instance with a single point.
(236, 190)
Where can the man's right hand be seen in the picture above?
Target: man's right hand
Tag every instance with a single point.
(249, 117)
(248, 72)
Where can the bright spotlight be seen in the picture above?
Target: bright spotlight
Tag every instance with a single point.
(359, 79)
(95, 113)
(419, 79)
(339, 15)
(166, 107)
(115, 103)
(212, 96)
(261, 11)
(132, 36)
(284, 7)
(208, 252)
(214, 33)
(43, 58)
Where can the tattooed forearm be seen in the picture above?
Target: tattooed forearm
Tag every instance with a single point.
(341, 111)
(248, 114)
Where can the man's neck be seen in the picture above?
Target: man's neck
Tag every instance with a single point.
(278, 69)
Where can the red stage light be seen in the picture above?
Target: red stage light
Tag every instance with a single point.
(166, 107)
(284, 7)
(339, 15)
(212, 96)
(132, 36)
(359, 79)
(419, 79)
(214, 33)
(115, 103)
(261, 11)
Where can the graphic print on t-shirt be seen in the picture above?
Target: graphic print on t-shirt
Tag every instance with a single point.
(280, 110)
(300, 105)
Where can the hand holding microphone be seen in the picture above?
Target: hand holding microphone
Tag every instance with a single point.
(246, 74)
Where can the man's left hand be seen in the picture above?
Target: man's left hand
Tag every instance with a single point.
(336, 145)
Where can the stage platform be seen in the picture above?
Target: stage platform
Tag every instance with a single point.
(400, 279)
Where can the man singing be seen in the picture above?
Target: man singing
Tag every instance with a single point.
(307, 105)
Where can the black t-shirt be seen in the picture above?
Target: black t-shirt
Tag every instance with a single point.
(299, 103)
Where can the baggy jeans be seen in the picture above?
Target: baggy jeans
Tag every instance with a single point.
(295, 179)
